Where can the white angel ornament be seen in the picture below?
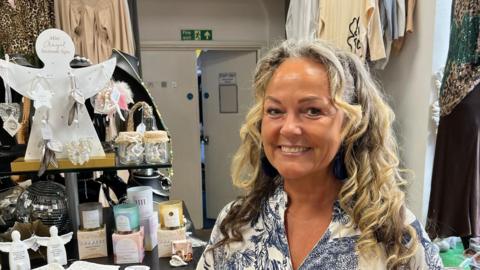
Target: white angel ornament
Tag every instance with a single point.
(17, 250)
(58, 91)
(55, 246)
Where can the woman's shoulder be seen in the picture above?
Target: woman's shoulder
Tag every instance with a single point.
(412, 220)
(226, 209)
(427, 253)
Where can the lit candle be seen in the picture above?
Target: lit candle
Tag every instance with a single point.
(126, 217)
(91, 216)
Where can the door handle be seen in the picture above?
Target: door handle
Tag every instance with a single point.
(205, 139)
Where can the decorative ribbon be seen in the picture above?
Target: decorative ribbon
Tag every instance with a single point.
(78, 100)
(50, 147)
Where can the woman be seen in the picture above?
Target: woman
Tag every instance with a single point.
(319, 164)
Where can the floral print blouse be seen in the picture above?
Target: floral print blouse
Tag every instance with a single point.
(265, 244)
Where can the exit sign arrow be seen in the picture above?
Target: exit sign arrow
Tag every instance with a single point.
(196, 34)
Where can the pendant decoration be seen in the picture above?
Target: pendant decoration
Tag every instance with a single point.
(9, 112)
(49, 147)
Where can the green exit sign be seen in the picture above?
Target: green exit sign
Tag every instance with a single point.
(192, 34)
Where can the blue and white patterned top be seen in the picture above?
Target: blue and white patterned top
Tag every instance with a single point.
(265, 244)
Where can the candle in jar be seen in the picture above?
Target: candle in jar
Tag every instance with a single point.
(171, 214)
(91, 216)
(126, 217)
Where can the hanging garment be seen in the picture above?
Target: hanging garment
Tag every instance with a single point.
(353, 25)
(388, 24)
(462, 71)
(20, 25)
(454, 208)
(128, 22)
(302, 19)
(96, 27)
(401, 18)
(410, 10)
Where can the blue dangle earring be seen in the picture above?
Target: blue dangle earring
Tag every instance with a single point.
(339, 168)
(267, 167)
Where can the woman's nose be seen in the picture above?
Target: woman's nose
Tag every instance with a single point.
(291, 126)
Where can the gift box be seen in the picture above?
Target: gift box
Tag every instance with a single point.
(92, 244)
(165, 239)
(150, 225)
(128, 248)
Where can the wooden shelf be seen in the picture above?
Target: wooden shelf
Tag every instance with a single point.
(21, 167)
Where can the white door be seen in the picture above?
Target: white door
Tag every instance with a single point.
(172, 80)
(227, 94)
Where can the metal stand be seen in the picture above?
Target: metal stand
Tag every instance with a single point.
(72, 193)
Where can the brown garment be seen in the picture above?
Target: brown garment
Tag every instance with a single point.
(20, 26)
(454, 208)
(397, 44)
(96, 27)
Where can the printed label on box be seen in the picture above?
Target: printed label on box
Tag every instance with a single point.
(91, 219)
(171, 218)
(123, 223)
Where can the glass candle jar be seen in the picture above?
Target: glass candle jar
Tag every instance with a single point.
(143, 197)
(156, 147)
(91, 216)
(127, 218)
(130, 148)
(171, 214)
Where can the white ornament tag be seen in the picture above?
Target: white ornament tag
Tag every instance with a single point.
(41, 97)
(47, 133)
(11, 125)
(9, 109)
(115, 95)
(78, 97)
(141, 128)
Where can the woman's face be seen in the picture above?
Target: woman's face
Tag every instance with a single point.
(300, 126)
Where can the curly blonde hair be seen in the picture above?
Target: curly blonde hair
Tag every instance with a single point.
(372, 194)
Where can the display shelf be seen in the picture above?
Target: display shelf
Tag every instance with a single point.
(151, 257)
(32, 167)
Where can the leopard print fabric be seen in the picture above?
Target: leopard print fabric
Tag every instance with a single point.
(20, 26)
(462, 9)
(462, 71)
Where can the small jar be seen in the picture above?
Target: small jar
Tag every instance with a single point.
(156, 147)
(130, 148)
(171, 214)
(91, 216)
(127, 218)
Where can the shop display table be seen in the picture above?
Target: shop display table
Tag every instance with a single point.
(15, 154)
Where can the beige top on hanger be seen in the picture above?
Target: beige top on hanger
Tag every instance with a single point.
(351, 24)
(96, 27)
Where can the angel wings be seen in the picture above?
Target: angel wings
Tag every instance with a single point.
(58, 92)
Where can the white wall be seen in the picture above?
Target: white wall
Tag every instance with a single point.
(230, 20)
(407, 79)
(235, 24)
(408, 83)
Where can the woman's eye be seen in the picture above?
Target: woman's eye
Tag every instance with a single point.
(312, 112)
(273, 112)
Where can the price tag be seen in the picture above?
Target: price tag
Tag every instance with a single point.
(41, 97)
(47, 133)
(115, 95)
(35, 246)
(11, 125)
(78, 97)
(141, 128)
